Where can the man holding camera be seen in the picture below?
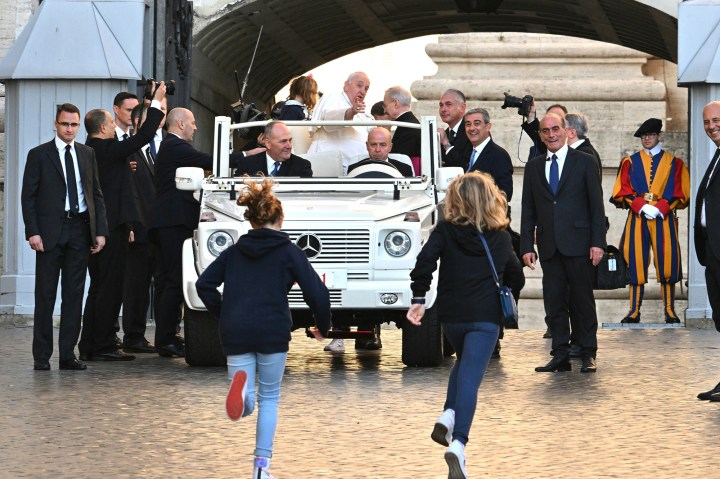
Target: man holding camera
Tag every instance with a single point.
(102, 307)
(531, 126)
(652, 184)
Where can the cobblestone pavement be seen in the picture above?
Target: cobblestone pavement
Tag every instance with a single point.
(365, 415)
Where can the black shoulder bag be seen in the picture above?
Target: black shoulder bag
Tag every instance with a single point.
(507, 301)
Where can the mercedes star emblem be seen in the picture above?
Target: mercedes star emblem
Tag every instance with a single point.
(310, 244)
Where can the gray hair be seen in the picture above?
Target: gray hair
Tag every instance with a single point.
(578, 122)
(479, 111)
(399, 94)
(460, 95)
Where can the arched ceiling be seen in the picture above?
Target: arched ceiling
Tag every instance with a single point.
(299, 35)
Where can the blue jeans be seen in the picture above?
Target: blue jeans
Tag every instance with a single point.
(473, 344)
(270, 369)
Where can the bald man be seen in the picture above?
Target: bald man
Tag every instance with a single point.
(379, 144)
(173, 217)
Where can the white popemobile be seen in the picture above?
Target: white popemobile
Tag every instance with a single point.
(361, 234)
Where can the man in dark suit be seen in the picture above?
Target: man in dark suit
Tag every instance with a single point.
(277, 159)
(707, 224)
(486, 155)
(456, 147)
(531, 126)
(562, 207)
(379, 145)
(405, 141)
(173, 215)
(107, 269)
(577, 128)
(62, 233)
(142, 255)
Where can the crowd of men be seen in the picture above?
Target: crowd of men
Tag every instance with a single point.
(121, 204)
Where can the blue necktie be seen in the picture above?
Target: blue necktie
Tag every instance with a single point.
(472, 160)
(554, 175)
(153, 150)
(276, 168)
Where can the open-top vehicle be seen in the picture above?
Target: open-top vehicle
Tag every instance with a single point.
(361, 234)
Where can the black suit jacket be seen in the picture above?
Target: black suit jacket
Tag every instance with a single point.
(459, 154)
(496, 161)
(115, 173)
(172, 207)
(143, 179)
(709, 193)
(533, 132)
(293, 166)
(570, 222)
(406, 140)
(587, 147)
(44, 192)
(405, 170)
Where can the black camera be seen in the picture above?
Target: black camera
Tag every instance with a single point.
(151, 82)
(244, 113)
(522, 104)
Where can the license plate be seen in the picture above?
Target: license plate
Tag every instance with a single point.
(333, 278)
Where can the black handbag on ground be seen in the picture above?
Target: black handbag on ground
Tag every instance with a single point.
(507, 301)
(612, 272)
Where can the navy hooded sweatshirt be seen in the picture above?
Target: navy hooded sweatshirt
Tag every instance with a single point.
(253, 310)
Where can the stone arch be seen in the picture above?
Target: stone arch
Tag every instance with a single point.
(299, 36)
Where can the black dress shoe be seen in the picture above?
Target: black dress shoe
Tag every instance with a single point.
(555, 364)
(116, 355)
(41, 365)
(140, 346)
(715, 397)
(171, 351)
(575, 351)
(671, 320)
(547, 334)
(707, 394)
(72, 364)
(588, 365)
(370, 345)
(628, 319)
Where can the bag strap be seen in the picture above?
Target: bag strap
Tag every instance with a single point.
(490, 259)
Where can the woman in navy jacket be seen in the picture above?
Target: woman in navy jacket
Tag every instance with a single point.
(468, 304)
(254, 314)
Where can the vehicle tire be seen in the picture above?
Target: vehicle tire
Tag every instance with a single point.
(202, 339)
(448, 349)
(422, 345)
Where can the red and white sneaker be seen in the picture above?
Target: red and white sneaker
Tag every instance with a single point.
(235, 402)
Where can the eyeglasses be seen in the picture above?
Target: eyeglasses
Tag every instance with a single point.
(648, 135)
(65, 124)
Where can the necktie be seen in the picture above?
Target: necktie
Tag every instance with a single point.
(451, 135)
(125, 136)
(472, 160)
(153, 149)
(150, 156)
(554, 175)
(276, 168)
(71, 181)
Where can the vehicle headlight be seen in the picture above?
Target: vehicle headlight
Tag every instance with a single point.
(397, 243)
(218, 242)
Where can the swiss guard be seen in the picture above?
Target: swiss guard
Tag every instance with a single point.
(652, 184)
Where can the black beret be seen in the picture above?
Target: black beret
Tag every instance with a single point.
(652, 125)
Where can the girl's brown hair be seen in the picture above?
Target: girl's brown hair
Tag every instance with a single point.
(263, 207)
(475, 199)
(306, 88)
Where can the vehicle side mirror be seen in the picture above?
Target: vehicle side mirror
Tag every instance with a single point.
(445, 175)
(189, 178)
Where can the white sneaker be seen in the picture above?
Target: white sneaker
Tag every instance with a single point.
(261, 468)
(443, 430)
(337, 345)
(455, 458)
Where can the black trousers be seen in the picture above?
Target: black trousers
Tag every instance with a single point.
(102, 306)
(169, 242)
(139, 271)
(567, 286)
(712, 281)
(69, 255)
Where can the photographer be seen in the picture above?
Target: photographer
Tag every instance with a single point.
(531, 126)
